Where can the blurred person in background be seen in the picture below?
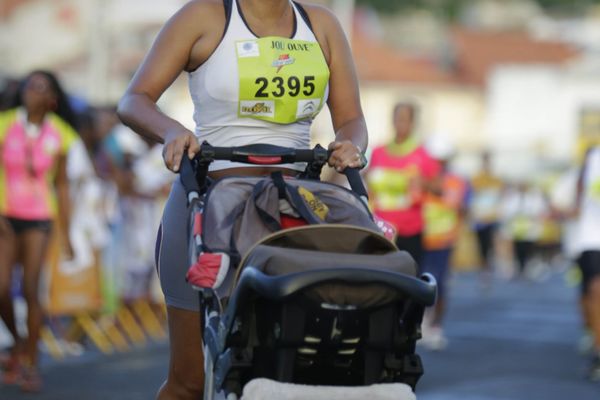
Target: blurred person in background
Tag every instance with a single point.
(443, 214)
(399, 174)
(227, 49)
(549, 247)
(585, 242)
(524, 209)
(485, 203)
(88, 229)
(145, 184)
(111, 166)
(35, 137)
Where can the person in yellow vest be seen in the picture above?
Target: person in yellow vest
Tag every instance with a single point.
(399, 174)
(259, 72)
(524, 210)
(443, 213)
(487, 191)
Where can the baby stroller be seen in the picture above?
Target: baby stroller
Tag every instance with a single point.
(328, 301)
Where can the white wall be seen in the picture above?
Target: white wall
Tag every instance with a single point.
(87, 42)
(532, 117)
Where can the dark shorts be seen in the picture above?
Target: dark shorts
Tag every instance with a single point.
(21, 225)
(437, 263)
(485, 237)
(413, 245)
(589, 263)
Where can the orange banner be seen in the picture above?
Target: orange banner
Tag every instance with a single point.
(73, 285)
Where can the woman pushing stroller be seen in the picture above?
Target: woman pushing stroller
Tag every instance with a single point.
(259, 72)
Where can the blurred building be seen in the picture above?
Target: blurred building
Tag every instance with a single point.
(488, 90)
(516, 82)
(528, 119)
(94, 45)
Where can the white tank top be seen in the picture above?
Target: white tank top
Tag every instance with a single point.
(214, 88)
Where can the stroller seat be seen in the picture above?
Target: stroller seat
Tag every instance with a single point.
(347, 253)
(335, 298)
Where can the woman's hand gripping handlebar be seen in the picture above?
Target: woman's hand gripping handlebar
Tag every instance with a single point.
(259, 154)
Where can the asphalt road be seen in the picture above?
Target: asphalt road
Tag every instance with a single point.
(516, 341)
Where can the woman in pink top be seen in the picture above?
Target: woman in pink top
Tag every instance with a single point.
(34, 141)
(399, 174)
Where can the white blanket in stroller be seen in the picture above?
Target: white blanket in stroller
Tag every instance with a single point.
(261, 389)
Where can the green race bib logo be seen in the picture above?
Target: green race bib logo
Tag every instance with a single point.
(439, 219)
(281, 80)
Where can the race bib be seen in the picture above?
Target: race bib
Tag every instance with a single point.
(439, 219)
(281, 80)
(392, 189)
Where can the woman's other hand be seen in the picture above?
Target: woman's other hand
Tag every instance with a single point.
(345, 155)
(176, 145)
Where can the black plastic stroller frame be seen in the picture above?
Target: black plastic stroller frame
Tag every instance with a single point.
(279, 326)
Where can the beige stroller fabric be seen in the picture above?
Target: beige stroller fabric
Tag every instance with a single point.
(316, 247)
(262, 389)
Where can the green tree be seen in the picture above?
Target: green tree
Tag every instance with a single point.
(452, 8)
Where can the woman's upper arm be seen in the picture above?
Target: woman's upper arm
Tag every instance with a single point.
(171, 52)
(344, 99)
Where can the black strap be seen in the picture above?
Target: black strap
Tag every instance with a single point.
(187, 175)
(288, 192)
(303, 14)
(228, 6)
(292, 195)
(356, 182)
(279, 182)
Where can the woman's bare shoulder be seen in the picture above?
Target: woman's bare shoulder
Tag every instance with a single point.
(319, 15)
(202, 11)
(325, 26)
(199, 23)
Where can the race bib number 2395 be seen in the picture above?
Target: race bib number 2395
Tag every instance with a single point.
(281, 80)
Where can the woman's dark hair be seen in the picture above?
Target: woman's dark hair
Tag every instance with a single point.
(63, 107)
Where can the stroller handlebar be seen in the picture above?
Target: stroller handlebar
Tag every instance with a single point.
(261, 154)
(265, 154)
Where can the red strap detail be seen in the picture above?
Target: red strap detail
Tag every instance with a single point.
(204, 272)
(197, 223)
(264, 160)
(291, 222)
